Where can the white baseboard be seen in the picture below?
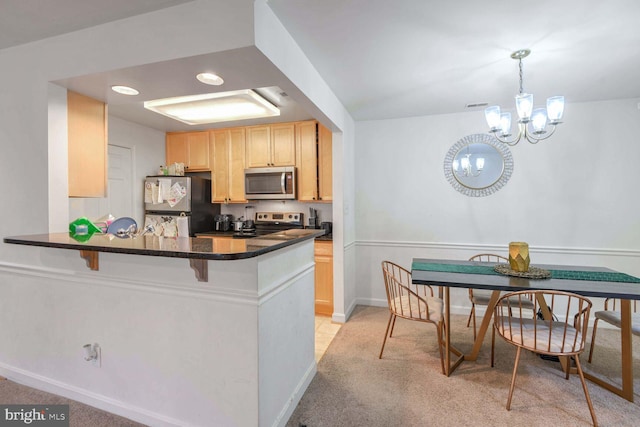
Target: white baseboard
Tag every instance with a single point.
(87, 397)
(343, 317)
(293, 401)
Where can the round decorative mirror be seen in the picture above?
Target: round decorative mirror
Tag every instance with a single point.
(478, 165)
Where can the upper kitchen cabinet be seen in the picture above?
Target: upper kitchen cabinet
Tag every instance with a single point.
(313, 161)
(190, 148)
(87, 146)
(227, 165)
(325, 161)
(307, 160)
(271, 145)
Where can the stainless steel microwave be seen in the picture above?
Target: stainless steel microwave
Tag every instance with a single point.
(270, 183)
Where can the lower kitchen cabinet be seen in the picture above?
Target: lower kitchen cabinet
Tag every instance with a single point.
(323, 252)
(226, 244)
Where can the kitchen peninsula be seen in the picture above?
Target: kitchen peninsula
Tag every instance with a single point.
(197, 250)
(237, 349)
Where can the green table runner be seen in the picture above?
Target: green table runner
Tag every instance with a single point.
(598, 276)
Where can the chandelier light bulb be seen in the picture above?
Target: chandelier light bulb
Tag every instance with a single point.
(492, 114)
(524, 105)
(555, 109)
(465, 162)
(505, 124)
(539, 120)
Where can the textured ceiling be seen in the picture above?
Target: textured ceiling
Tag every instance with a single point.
(24, 21)
(388, 59)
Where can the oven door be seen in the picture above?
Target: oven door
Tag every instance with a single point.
(270, 183)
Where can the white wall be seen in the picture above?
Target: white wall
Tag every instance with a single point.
(148, 152)
(58, 302)
(276, 43)
(572, 197)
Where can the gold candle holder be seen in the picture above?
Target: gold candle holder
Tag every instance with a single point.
(519, 256)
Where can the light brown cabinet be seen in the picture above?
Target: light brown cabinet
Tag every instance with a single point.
(225, 244)
(227, 165)
(323, 252)
(313, 160)
(190, 148)
(87, 146)
(325, 164)
(271, 145)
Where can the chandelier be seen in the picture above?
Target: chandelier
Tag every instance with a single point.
(532, 124)
(466, 166)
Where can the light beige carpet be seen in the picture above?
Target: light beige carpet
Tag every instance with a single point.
(80, 415)
(354, 388)
(405, 388)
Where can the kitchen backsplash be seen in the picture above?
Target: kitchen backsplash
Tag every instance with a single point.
(238, 210)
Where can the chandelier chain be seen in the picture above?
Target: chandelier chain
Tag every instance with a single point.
(520, 67)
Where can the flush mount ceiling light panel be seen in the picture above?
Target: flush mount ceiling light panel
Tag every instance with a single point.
(214, 107)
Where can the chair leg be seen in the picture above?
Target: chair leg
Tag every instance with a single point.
(470, 314)
(593, 340)
(586, 392)
(393, 325)
(439, 327)
(474, 322)
(513, 378)
(391, 317)
(493, 344)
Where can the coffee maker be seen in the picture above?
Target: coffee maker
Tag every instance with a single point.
(223, 222)
(313, 218)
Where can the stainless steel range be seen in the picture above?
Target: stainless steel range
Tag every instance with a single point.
(271, 222)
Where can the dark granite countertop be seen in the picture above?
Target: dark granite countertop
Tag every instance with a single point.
(209, 248)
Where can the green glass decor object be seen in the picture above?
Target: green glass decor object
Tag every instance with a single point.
(519, 256)
(82, 229)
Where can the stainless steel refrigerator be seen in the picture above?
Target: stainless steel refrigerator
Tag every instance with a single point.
(179, 205)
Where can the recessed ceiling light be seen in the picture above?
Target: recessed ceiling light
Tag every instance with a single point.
(214, 107)
(125, 90)
(210, 79)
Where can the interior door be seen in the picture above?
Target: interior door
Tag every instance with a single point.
(119, 200)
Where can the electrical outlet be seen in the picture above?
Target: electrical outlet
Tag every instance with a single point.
(93, 354)
(97, 362)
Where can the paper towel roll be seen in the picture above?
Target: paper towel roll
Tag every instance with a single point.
(183, 226)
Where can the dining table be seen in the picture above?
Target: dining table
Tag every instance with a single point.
(589, 281)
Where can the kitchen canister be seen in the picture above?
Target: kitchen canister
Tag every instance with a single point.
(183, 225)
